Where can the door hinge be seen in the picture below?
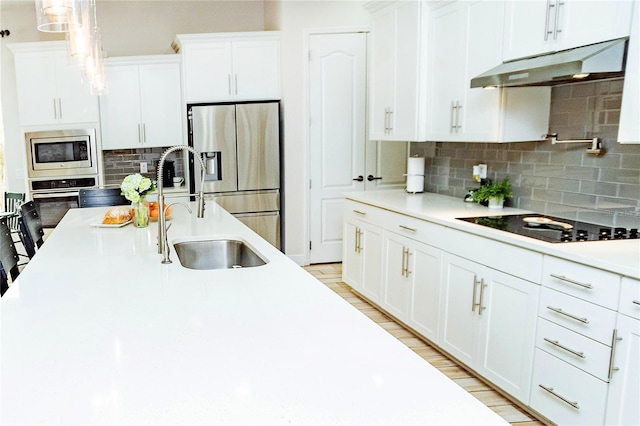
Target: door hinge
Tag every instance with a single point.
(309, 245)
(310, 185)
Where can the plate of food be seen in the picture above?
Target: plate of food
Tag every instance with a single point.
(116, 217)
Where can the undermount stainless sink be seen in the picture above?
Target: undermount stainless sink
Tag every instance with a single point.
(217, 254)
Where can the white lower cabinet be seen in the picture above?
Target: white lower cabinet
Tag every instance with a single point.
(488, 323)
(565, 394)
(362, 254)
(411, 283)
(568, 348)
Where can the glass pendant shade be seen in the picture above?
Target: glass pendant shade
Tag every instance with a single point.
(79, 38)
(57, 16)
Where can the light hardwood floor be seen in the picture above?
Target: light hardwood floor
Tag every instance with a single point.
(331, 276)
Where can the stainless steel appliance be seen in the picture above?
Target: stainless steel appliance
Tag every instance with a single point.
(553, 229)
(54, 197)
(61, 153)
(60, 162)
(240, 146)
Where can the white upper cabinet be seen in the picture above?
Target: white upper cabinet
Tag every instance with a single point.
(143, 104)
(397, 74)
(51, 87)
(465, 40)
(629, 130)
(231, 66)
(534, 27)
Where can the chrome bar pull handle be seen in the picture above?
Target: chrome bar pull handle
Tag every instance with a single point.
(60, 108)
(390, 120)
(236, 81)
(406, 228)
(358, 212)
(480, 303)
(404, 255)
(567, 314)
(55, 109)
(473, 296)
(569, 280)
(229, 82)
(406, 268)
(550, 5)
(557, 28)
(637, 302)
(574, 404)
(614, 340)
(557, 343)
(452, 124)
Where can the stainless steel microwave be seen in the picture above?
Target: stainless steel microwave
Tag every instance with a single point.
(61, 153)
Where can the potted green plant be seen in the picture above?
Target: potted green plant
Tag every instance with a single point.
(494, 193)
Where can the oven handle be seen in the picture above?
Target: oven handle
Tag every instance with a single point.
(54, 194)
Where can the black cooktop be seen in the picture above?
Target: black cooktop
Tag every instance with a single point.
(553, 229)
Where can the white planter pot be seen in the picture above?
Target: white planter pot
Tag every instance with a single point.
(494, 203)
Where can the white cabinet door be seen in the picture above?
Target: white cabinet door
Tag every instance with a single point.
(426, 272)
(224, 67)
(256, 67)
(207, 71)
(462, 285)
(397, 83)
(508, 333)
(352, 254)
(161, 104)
(446, 77)
(120, 108)
(624, 386)
(143, 106)
(534, 27)
(50, 86)
(362, 257)
(629, 129)
(372, 244)
(397, 281)
(465, 40)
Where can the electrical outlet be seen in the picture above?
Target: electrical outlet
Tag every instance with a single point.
(143, 167)
(483, 171)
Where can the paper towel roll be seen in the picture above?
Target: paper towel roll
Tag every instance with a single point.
(415, 183)
(415, 174)
(415, 166)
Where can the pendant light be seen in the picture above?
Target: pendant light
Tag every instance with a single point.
(57, 16)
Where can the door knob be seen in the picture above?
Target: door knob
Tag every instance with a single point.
(371, 177)
(359, 178)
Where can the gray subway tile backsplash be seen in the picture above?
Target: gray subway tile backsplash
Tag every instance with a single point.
(560, 180)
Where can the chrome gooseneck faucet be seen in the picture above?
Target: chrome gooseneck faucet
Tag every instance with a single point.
(163, 245)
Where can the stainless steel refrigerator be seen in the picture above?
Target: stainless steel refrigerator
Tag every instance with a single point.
(240, 146)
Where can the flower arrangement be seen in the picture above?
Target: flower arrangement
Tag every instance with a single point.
(135, 187)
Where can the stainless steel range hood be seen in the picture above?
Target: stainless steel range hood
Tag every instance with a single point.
(593, 62)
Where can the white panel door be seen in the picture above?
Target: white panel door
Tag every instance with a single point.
(337, 96)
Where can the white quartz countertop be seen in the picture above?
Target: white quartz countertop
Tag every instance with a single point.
(97, 331)
(619, 256)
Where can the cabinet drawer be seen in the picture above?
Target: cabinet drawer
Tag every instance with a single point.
(363, 212)
(516, 261)
(630, 297)
(578, 398)
(579, 351)
(416, 229)
(591, 284)
(582, 317)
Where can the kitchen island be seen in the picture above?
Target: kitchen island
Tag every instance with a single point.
(97, 331)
